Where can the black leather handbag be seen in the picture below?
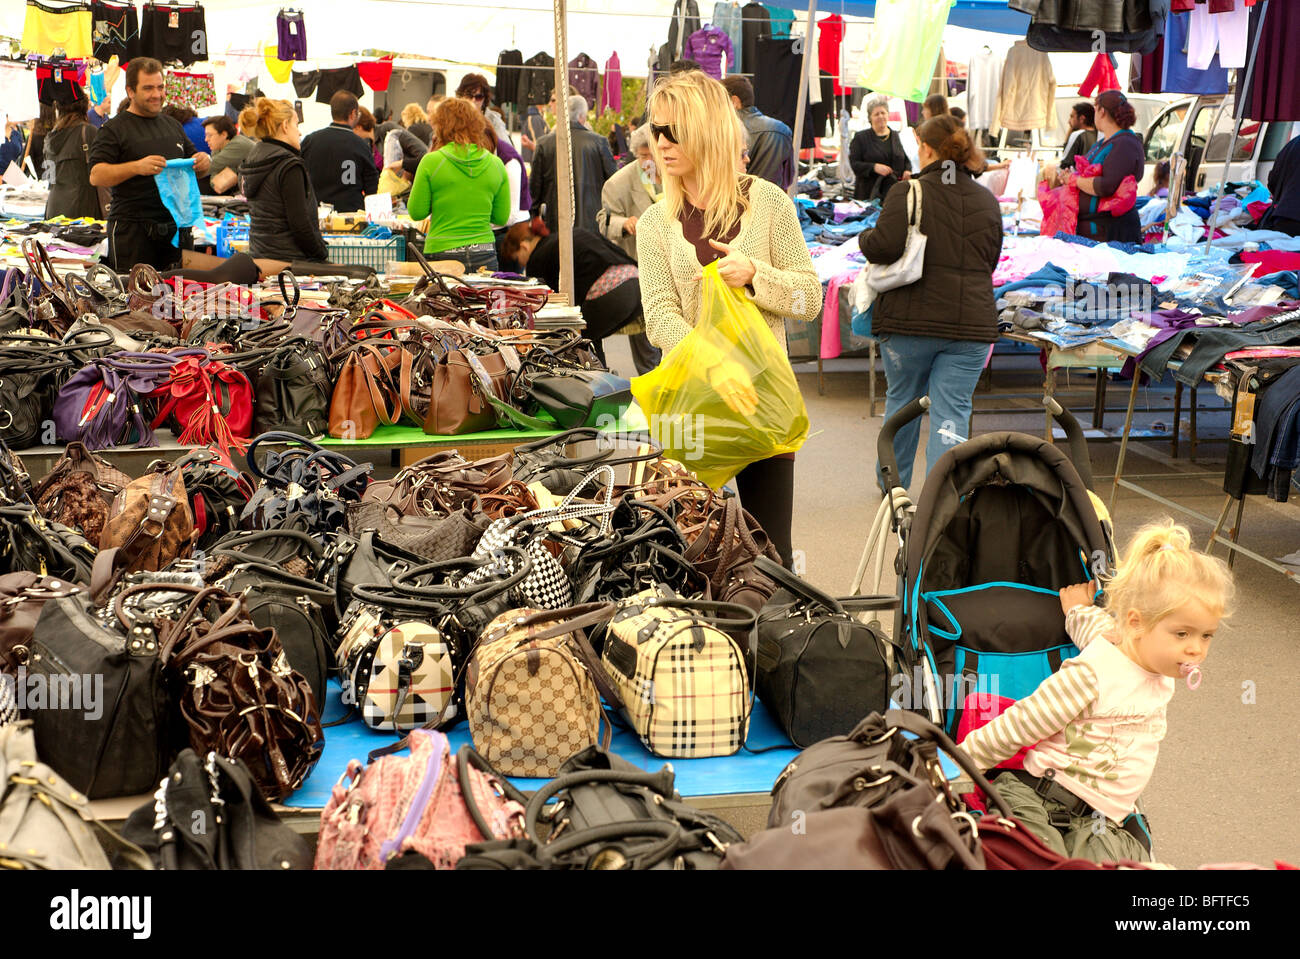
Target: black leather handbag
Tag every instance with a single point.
(31, 371)
(608, 814)
(820, 669)
(303, 478)
(208, 814)
(217, 492)
(354, 560)
(292, 385)
(30, 542)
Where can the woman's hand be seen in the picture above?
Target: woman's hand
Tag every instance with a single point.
(1080, 594)
(736, 269)
(734, 385)
(883, 169)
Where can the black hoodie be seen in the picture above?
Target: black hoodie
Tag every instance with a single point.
(282, 204)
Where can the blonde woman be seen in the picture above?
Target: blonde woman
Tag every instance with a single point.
(710, 212)
(283, 222)
(417, 121)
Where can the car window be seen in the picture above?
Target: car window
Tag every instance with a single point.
(1216, 150)
(1277, 136)
(1164, 135)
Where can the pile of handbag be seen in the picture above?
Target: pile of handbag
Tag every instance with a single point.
(95, 357)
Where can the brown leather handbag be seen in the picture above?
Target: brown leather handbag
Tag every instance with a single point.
(80, 490)
(450, 536)
(22, 597)
(724, 548)
(151, 520)
(440, 483)
(458, 403)
(365, 394)
(239, 697)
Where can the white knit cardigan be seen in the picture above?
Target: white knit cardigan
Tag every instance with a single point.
(784, 286)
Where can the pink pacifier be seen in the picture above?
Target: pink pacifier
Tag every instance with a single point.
(1193, 674)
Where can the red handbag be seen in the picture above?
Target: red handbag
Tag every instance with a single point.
(208, 402)
(1009, 845)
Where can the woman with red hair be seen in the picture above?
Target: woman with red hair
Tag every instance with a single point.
(462, 188)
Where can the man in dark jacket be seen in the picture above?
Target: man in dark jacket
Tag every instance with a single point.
(771, 142)
(341, 166)
(593, 164)
(1284, 184)
(935, 333)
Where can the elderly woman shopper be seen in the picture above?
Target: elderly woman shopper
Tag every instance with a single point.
(876, 155)
(710, 213)
(935, 334)
(283, 220)
(462, 188)
(1120, 152)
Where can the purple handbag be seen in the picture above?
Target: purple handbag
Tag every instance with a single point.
(102, 405)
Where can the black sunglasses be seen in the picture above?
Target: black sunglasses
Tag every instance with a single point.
(663, 131)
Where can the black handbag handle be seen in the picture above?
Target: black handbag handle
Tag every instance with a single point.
(226, 546)
(467, 756)
(640, 856)
(478, 592)
(806, 590)
(660, 783)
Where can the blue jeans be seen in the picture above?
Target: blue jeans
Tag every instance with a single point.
(945, 369)
(471, 257)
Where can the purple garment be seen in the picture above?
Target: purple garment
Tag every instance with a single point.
(507, 152)
(611, 90)
(707, 48)
(293, 39)
(585, 77)
(913, 112)
(1169, 322)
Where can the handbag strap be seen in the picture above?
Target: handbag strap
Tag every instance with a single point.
(466, 757)
(566, 510)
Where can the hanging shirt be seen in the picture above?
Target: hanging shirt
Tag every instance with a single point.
(1100, 77)
(1179, 76)
(584, 76)
(611, 88)
(904, 46)
(755, 25)
(782, 20)
(708, 48)
(828, 49)
(1028, 97)
(726, 17)
(983, 83)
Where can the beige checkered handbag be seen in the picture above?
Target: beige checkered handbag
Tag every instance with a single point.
(533, 690)
(682, 676)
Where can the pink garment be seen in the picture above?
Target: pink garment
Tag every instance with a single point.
(611, 87)
(1119, 202)
(981, 708)
(1100, 77)
(1022, 256)
(831, 345)
(1060, 209)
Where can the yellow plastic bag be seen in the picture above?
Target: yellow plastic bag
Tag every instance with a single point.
(725, 396)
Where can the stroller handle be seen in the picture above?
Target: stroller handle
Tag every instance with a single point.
(885, 442)
(1074, 435)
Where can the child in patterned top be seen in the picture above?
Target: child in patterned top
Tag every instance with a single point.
(1094, 727)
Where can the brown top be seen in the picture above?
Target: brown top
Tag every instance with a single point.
(693, 230)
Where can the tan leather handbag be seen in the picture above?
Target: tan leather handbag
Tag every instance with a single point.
(151, 520)
(365, 395)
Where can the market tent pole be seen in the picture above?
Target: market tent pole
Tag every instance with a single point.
(803, 94)
(1238, 108)
(563, 156)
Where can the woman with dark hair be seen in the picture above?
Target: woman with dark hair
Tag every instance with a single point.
(67, 147)
(606, 283)
(190, 122)
(474, 87)
(935, 334)
(934, 106)
(462, 187)
(35, 149)
(1120, 152)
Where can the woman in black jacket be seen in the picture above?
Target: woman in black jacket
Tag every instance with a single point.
(606, 283)
(876, 155)
(284, 223)
(67, 146)
(936, 334)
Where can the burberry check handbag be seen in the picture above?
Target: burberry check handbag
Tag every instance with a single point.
(547, 586)
(681, 675)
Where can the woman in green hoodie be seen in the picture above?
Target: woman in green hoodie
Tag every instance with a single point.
(462, 188)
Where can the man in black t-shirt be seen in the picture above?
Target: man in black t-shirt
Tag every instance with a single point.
(130, 148)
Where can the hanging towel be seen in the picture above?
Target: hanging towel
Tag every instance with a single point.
(904, 47)
(179, 189)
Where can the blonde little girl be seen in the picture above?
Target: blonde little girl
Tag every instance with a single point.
(1095, 726)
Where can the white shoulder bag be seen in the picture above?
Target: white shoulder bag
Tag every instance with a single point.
(878, 277)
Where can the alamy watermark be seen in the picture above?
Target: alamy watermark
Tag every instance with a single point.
(75, 692)
(681, 431)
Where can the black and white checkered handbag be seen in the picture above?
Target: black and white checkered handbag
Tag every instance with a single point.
(8, 708)
(547, 586)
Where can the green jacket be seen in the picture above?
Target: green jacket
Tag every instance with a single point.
(463, 190)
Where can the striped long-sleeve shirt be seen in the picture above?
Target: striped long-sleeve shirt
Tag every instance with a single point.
(1098, 721)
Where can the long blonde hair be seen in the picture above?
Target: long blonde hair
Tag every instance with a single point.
(1161, 572)
(710, 133)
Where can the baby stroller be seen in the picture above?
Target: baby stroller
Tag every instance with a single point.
(1005, 520)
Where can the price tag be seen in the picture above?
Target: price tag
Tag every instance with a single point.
(58, 76)
(293, 28)
(173, 20)
(1243, 417)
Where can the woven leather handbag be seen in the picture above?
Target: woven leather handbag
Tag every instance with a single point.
(681, 676)
(533, 690)
(79, 491)
(239, 696)
(208, 814)
(430, 537)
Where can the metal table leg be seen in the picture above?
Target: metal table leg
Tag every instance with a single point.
(1218, 526)
(1191, 440)
(1123, 443)
(1049, 390)
(1099, 400)
(1236, 530)
(1178, 409)
(871, 374)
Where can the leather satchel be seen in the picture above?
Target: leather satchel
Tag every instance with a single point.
(365, 395)
(532, 691)
(459, 401)
(30, 542)
(22, 597)
(440, 483)
(208, 814)
(46, 823)
(79, 491)
(724, 547)
(820, 669)
(151, 521)
(239, 696)
(31, 371)
(429, 537)
(427, 803)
